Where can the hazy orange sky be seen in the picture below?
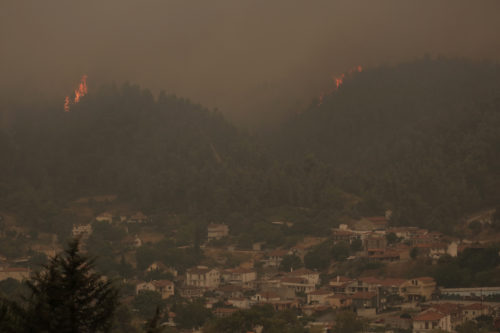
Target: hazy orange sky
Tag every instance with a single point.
(247, 58)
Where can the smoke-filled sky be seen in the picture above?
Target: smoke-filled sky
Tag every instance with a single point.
(249, 58)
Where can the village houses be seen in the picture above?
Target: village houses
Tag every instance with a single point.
(165, 288)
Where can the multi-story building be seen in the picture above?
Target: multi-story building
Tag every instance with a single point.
(203, 276)
(239, 276)
(418, 289)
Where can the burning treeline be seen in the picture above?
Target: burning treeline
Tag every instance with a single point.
(79, 93)
(339, 80)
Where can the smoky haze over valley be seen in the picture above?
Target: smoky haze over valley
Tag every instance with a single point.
(253, 60)
(256, 166)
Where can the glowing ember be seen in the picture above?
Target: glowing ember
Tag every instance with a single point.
(339, 80)
(79, 93)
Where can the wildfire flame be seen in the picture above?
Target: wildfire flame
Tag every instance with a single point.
(66, 104)
(339, 80)
(79, 93)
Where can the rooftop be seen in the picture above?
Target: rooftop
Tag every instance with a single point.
(429, 316)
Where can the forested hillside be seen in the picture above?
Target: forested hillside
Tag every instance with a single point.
(160, 154)
(421, 138)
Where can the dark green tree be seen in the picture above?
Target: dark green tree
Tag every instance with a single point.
(153, 325)
(147, 302)
(318, 257)
(340, 251)
(356, 245)
(10, 318)
(68, 296)
(192, 314)
(347, 322)
(391, 238)
(290, 262)
(414, 253)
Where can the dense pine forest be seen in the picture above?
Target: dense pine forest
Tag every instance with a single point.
(421, 139)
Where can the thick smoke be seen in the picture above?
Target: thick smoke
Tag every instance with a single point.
(251, 59)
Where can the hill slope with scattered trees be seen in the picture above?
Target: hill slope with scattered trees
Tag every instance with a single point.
(420, 138)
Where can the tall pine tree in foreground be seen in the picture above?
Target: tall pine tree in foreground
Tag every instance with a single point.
(68, 296)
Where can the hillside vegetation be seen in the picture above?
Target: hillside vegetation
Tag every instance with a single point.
(420, 138)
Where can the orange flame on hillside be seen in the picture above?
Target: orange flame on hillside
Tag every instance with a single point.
(79, 93)
(66, 104)
(339, 80)
(82, 89)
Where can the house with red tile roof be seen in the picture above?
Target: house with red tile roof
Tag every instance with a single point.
(337, 301)
(431, 320)
(311, 276)
(297, 284)
(340, 284)
(16, 273)
(319, 296)
(365, 300)
(239, 276)
(452, 309)
(275, 257)
(266, 296)
(472, 311)
(224, 312)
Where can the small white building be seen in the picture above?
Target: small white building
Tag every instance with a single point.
(81, 230)
(105, 217)
(137, 217)
(217, 231)
(240, 303)
(144, 286)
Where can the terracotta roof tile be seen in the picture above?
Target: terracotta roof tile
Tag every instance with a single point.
(429, 316)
